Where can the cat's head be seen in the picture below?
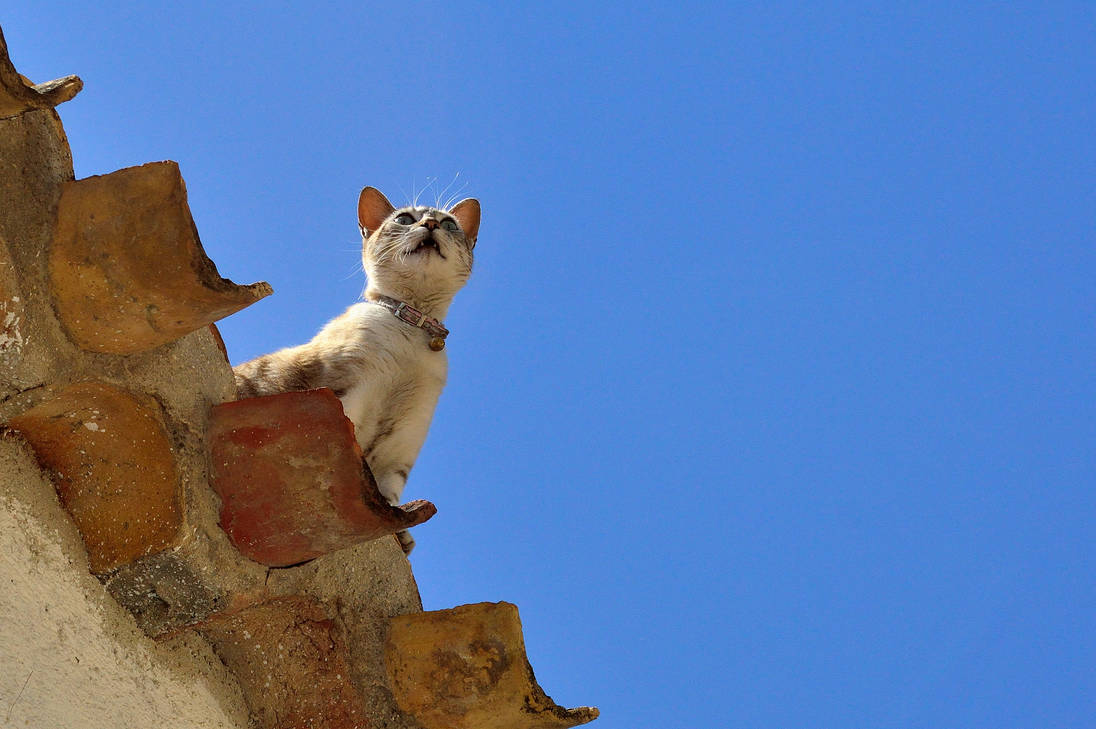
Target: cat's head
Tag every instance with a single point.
(421, 255)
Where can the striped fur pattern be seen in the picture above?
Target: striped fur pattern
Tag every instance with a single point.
(381, 368)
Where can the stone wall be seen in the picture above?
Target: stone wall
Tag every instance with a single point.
(171, 555)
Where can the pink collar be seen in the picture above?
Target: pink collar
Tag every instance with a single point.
(407, 313)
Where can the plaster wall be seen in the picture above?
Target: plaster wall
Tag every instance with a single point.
(70, 656)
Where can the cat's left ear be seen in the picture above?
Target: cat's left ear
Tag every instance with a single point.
(467, 213)
(373, 208)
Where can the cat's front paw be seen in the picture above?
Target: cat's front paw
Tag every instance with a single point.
(390, 483)
(407, 542)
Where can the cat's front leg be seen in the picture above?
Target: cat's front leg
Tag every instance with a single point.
(391, 484)
(407, 542)
(392, 453)
(392, 456)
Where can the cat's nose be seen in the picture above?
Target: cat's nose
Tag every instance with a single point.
(429, 223)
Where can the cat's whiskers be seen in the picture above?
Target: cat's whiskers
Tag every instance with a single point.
(356, 271)
(404, 192)
(452, 198)
(359, 266)
(420, 190)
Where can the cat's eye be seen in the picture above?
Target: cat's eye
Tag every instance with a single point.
(450, 225)
(404, 219)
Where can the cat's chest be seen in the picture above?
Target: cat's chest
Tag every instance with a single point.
(399, 374)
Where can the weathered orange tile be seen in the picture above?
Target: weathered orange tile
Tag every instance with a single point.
(111, 460)
(18, 95)
(291, 661)
(465, 668)
(127, 269)
(292, 481)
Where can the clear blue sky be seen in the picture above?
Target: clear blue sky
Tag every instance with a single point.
(771, 399)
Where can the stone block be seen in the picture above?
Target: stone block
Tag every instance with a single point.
(364, 586)
(292, 480)
(291, 661)
(465, 668)
(111, 460)
(18, 95)
(167, 590)
(126, 267)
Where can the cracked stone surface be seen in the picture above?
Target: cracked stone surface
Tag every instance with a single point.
(465, 668)
(291, 661)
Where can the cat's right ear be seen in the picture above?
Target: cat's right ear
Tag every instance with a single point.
(467, 213)
(373, 208)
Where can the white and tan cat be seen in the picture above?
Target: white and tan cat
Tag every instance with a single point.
(384, 358)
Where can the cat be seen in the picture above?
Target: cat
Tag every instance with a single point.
(384, 357)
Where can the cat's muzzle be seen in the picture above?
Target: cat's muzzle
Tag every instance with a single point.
(428, 243)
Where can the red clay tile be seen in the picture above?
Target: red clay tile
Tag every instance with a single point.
(292, 481)
(109, 453)
(291, 661)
